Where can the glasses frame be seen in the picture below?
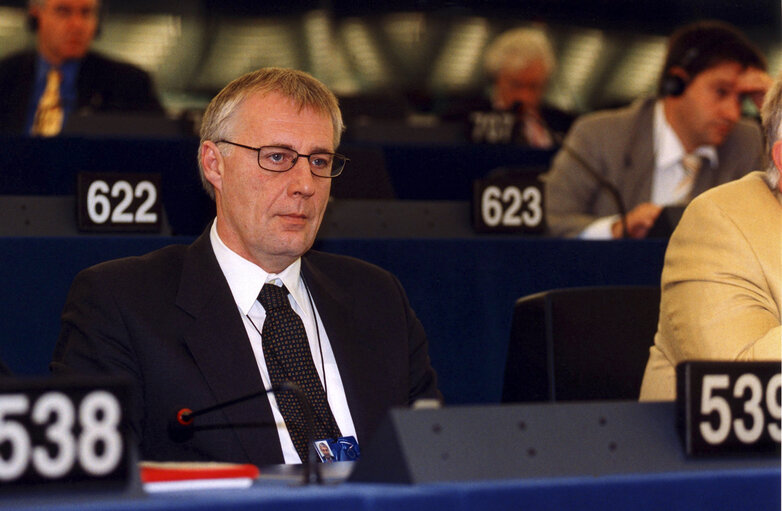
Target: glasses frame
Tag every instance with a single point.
(293, 164)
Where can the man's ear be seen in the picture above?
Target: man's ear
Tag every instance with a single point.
(213, 164)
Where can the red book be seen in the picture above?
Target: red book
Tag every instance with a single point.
(152, 472)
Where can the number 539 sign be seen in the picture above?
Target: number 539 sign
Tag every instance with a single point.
(729, 407)
(119, 202)
(508, 203)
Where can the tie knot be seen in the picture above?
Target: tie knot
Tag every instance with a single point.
(692, 163)
(273, 297)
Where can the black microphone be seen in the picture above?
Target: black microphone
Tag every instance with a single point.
(604, 183)
(181, 428)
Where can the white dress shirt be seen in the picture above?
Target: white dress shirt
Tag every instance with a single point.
(669, 180)
(246, 280)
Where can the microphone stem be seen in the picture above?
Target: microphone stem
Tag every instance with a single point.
(310, 463)
(604, 183)
(187, 416)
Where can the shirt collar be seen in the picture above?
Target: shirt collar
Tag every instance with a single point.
(668, 149)
(69, 70)
(245, 279)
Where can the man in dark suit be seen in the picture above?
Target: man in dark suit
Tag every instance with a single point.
(520, 63)
(183, 323)
(88, 81)
(662, 150)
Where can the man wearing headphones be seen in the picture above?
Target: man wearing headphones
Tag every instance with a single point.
(40, 89)
(663, 150)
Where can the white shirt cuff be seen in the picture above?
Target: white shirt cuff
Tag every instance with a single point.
(600, 229)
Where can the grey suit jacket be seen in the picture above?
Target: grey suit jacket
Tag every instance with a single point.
(618, 145)
(168, 322)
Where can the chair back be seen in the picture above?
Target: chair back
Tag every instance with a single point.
(580, 344)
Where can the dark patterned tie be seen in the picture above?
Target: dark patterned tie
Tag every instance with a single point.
(289, 359)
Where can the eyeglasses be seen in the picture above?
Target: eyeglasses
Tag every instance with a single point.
(282, 159)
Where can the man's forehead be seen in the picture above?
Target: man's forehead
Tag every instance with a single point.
(274, 105)
(70, 3)
(267, 111)
(725, 70)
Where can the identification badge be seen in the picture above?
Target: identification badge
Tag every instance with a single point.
(342, 449)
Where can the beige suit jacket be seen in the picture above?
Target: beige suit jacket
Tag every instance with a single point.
(721, 284)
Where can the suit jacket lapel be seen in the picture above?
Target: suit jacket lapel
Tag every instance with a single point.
(335, 310)
(639, 159)
(219, 344)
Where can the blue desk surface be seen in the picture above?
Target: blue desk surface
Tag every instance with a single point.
(463, 291)
(736, 490)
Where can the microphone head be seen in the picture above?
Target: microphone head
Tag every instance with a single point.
(180, 427)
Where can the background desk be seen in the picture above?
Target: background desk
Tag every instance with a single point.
(463, 290)
(48, 167)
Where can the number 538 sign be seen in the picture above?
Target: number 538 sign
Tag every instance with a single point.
(509, 204)
(119, 202)
(62, 432)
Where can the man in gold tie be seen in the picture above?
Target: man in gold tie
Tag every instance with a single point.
(40, 89)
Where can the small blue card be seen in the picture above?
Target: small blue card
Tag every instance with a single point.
(342, 449)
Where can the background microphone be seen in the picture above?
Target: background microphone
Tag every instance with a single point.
(603, 182)
(181, 427)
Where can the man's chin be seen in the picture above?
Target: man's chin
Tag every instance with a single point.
(75, 52)
(720, 135)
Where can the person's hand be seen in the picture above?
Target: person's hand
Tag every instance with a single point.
(754, 83)
(639, 220)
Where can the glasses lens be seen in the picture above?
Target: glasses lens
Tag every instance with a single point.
(276, 159)
(327, 165)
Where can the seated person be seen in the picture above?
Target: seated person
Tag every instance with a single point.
(722, 280)
(662, 150)
(248, 306)
(40, 89)
(520, 63)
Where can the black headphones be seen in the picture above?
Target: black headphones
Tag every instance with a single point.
(674, 85)
(32, 22)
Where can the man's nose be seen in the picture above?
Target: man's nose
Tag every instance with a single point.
(302, 181)
(731, 109)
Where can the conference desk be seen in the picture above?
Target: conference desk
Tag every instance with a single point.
(736, 490)
(719, 490)
(462, 290)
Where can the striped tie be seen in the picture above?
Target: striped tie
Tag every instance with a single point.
(692, 164)
(49, 115)
(289, 359)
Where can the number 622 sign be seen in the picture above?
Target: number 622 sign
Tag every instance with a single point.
(119, 202)
(511, 203)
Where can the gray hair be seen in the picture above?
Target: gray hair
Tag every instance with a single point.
(517, 48)
(771, 113)
(301, 87)
(41, 3)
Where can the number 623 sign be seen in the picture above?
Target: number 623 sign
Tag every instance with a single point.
(510, 203)
(118, 202)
